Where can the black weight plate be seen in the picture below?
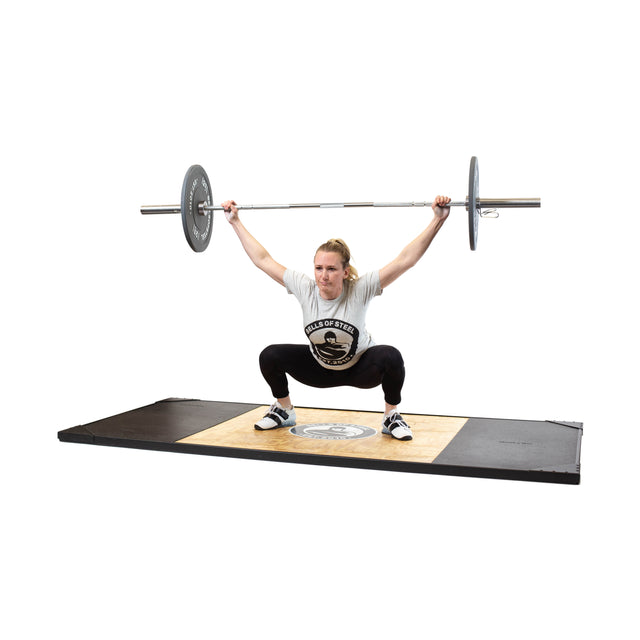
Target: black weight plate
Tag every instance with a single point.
(196, 189)
(473, 208)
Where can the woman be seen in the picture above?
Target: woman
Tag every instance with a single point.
(341, 352)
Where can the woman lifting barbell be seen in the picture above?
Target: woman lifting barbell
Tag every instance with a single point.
(341, 351)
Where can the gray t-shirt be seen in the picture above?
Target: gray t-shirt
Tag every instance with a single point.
(335, 328)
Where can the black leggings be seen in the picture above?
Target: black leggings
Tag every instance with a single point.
(379, 364)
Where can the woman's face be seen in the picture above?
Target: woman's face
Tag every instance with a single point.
(330, 274)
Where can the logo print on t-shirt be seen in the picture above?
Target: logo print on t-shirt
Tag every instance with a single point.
(334, 342)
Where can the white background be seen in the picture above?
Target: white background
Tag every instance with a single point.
(105, 105)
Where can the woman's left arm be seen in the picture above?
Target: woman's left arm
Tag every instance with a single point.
(410, 255)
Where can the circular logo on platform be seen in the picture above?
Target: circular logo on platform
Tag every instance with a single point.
(332, 431)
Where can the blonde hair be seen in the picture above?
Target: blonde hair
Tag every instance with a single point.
(339, 246)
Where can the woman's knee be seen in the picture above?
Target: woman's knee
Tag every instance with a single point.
(392, 357)
(268, 356)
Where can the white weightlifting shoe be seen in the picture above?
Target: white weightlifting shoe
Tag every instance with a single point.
(395, 425)
(276, 417)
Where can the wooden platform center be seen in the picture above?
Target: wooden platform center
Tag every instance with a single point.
(431, 434)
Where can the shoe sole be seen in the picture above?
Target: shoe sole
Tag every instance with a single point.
(277, 426)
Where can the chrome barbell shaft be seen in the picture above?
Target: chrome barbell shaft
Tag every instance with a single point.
(332, 205)
(512, 203)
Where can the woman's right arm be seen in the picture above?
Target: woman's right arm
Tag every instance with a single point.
(258, 254)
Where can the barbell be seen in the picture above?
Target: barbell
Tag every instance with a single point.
(196, 206)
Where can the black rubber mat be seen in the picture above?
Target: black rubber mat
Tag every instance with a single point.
(516, 444)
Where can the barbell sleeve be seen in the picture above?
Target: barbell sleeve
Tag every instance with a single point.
(160, 208)
(513, 203)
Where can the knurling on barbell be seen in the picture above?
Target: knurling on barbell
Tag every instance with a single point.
(196, 206)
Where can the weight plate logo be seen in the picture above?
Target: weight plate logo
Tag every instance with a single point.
(332, 431)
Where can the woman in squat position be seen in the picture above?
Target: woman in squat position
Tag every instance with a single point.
(341, 352)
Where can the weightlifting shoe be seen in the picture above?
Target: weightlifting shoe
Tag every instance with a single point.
(277, 416)
(395, 425)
